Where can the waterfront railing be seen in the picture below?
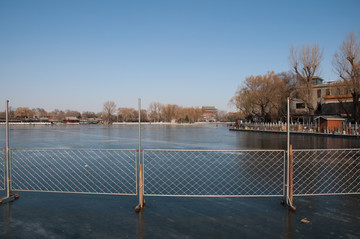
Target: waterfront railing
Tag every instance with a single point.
(310, 128)
(186, 173)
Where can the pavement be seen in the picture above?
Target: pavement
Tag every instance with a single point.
(54, 215)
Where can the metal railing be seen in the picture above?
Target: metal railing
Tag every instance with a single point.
(326, 172)
(183, 172)
(74, 170)
(214, 173)
(195, 173)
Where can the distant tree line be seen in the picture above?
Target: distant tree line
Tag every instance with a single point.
(156, 112)
(263, 97)
(28, 114)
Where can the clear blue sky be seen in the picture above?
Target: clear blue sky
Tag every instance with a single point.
(77, 54)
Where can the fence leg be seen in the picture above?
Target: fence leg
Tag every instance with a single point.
(290, 183)
(141, 168)
(141, 187)
(9, 195)
(141, 190)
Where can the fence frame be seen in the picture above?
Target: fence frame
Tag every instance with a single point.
(283, 156)
(140, 164)
(325, 194)
(135, 155)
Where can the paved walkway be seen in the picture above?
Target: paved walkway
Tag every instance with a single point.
(51, 215)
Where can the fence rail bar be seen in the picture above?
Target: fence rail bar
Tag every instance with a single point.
(211, 150)
(213, 196)
(69, 192)
(69, 149)
(325, 194)
(311, 150)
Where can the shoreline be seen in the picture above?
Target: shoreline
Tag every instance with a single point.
(297, 133)
(115, 123)
(26, 123)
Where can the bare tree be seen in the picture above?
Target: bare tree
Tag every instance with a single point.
(188, 114)
(88, 114)
(109, 108)
(221, 115)
(262, 96)
(127, 114)
(232, 116)
(72, 113)
(143, 115)
(291, 83)
(170, 112)
(57, 114)
(24, 113)
(40, 112)
(305, 64)
(155, 111)
(346, 63)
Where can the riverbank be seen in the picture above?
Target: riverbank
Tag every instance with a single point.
(120, 123)
(27, 123)
(297, 133)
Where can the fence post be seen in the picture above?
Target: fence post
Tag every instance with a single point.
(7, 164)
(9, 195)
(289, 156)
(141, 168)
(287, 148)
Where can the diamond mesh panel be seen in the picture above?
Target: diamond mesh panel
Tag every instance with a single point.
(73, 170)
(214, 173)
(326, 172)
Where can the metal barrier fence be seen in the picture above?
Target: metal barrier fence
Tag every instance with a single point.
(199, 173)
(214, 173)
(74, 170)
(326, 172)
(2, 168)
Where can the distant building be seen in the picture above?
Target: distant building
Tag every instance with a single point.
(299, 108)
(328, 98)
(71, 120)
(209, 113)
(338, 105)
(327, 124)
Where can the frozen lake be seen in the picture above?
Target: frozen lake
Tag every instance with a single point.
(53, 215)
(208, 136)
